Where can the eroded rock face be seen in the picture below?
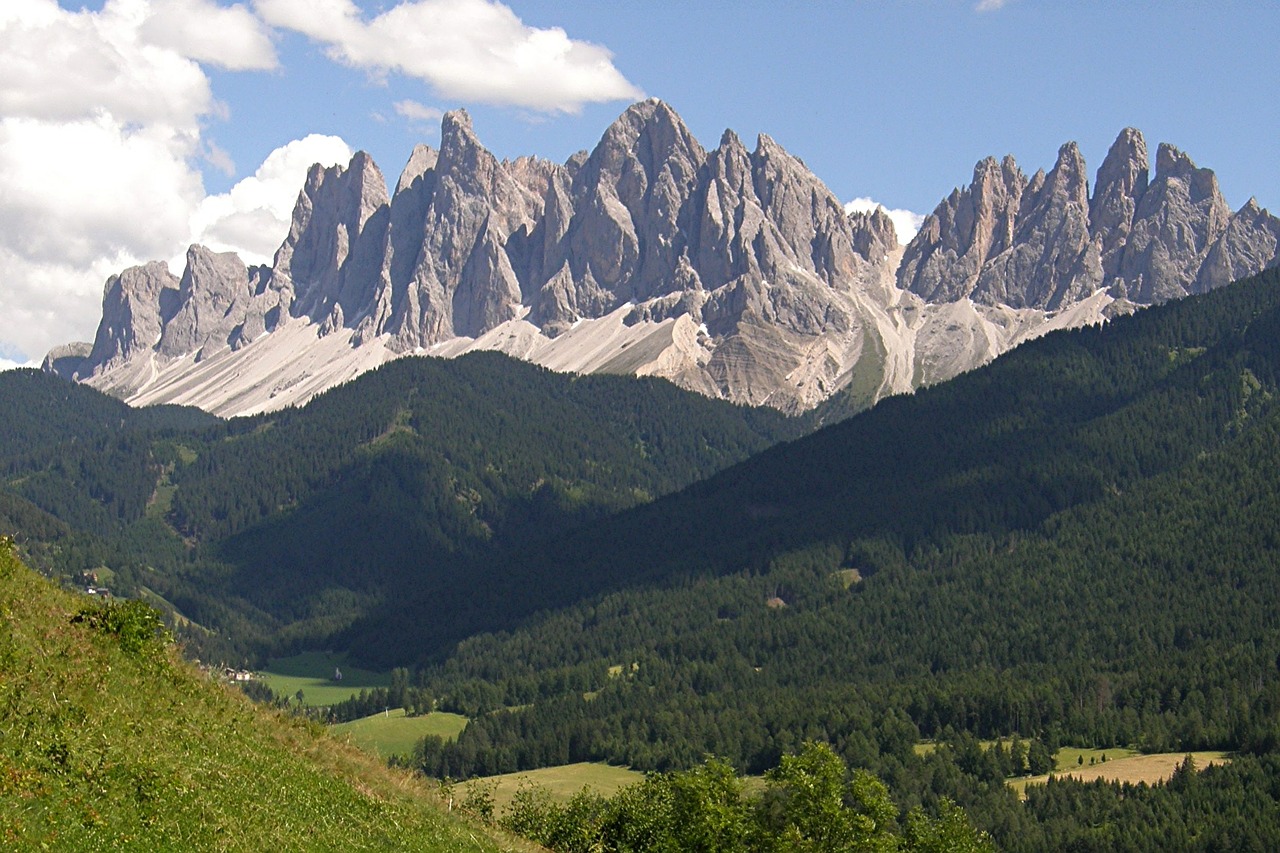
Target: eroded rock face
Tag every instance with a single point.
(1051, 259)
(1121, 183)
(333, 254)
(460, 281)
(1143, 240)
(734, 272)
(213, 298)
(942, 263)
(66, 360)
(1249, 243)
(135, 306)
(1177, 219)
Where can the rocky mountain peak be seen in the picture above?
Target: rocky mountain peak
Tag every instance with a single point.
(1172, 162)
(1143, 239)
(1049, 260)
(733, 272)
(1125, 166)
(333, 252)
(213, 298)
(874, 235)
(1120, 185)
(1175, 223)
(134, 305)
(462, 159)
(1250, 242)
(944, 260)
(422, 160)
(649, 134)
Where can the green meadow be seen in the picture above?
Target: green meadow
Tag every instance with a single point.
(392, 733)
(561, 782)
(312, 673)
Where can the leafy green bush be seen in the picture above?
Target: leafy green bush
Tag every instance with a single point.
(137, 625)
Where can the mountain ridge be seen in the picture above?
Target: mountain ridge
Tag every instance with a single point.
(732, 272)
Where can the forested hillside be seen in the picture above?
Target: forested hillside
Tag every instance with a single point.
(275, 531)
(1077, 544)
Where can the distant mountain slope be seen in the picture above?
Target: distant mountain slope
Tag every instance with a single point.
(397, 481)
(1077, 542)
(42, 411)
(1063, 421)
(303, 519)
(109, 742)
(733, 272)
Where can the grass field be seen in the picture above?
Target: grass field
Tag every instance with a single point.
(1078, 758)
(562, 782)
(312, 673)
(392, 733)
(927, 747)
(1131, 768)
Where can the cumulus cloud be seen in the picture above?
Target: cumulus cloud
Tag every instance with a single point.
(905, 222)
(64, 66)
(101, 118)
(415, 111)
(230, 38)
(253, 217)
(475, 50)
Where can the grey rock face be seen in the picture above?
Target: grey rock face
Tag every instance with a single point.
(1178, 218)
(135, 306)
(213, 300)
(1145, 241)
(873, 234)
(460, 281)
(776, 295)
(942, 263)
(66, 360)
(623, 221)
(149, 315)
(1051, 259)
(1249, 243)
(1121, 183)
(334, 251)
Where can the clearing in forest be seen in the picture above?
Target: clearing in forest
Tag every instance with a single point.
(392, 733)
(1151, 769)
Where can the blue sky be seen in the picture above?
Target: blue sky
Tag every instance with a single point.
(130, 128)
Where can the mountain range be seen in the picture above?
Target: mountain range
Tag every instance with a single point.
(732, 272)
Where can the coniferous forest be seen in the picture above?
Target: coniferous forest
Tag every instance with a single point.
(1078, 544)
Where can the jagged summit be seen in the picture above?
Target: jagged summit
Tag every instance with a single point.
(733, 272)
(1044, 243)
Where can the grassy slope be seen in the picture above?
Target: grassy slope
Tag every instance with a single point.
(103, 749)
(1131, 768)
(312, 673)
(562, 782)
(392, 733)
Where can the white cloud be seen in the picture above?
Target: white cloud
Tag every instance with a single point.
(990, 5)
(230, 38)
(64, 66)
(475, 50)
(253, 217)
(905, 222)
(101, 118)
(415, 111)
